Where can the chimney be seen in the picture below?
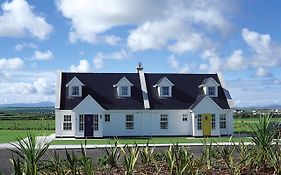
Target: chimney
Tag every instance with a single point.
(143, 86)
(139, 67)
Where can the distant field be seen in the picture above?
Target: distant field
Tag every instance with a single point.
(11, 135)
(27, 125)
(242, 125)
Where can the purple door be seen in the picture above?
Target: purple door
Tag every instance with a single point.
(88, 132)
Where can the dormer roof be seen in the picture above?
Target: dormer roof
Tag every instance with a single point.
(74, 82)
(165, 81)
(122, 81)
(207, 80)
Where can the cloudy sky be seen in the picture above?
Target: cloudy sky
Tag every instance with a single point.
(239, 40)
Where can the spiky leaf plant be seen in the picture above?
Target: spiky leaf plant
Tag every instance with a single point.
(130, 155)
(263, 134)
(30, 153)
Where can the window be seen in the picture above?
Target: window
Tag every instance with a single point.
(129, 121)
(199, 122)
(96, 122)
(184, 117)
(75, 90)
(222, 121)
(81, 122)
(124, 91)
(107, 117)
(213, 121)
(164, 121)
(211, 91)
(67, 125)
(165, 90)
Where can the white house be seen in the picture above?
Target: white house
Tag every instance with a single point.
(141, 104)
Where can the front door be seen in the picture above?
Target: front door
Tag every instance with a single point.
(206, 124)
(89, 120)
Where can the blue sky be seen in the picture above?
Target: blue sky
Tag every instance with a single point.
(239, 40)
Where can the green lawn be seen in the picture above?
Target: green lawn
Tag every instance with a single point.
(27, 124)
(11, 135)
(153, 140)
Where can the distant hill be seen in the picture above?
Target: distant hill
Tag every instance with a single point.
(39, 104)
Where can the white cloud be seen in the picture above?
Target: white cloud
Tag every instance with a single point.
(43, 86)
(98, 60)
(83, 66)
(20, 47)
(18, 19)
(175, 65)
(266, 53)
(158, 24)
(42, 56)
(11, 63)
(39, 86)
(112, 40)
(216, 64)
(261, 72)
(236, 61)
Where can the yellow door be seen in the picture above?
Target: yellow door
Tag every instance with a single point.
(206, 124)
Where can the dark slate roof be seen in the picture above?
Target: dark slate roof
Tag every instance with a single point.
(100, 86)
(184, 93)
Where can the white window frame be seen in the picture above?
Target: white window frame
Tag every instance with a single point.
(107, 117)
(96, 122)
(222, 121)
(129, 122)
(214, 94)
(162, 91)
(213, 121)
(122, 88)
(81, 122)
(199, 122)
(67, 123)
(184, 117)
(72, 90)
(164, 124)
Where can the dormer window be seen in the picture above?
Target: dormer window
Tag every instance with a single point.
(210, 87)
(123, 87)
(124, 91)
(164, 87)
(165, 91)
(74, 87)
(75, 91)
(212, 91)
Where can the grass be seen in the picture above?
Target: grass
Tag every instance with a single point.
(241, 125)
(153, 140)
(27, 124)
(11, 135)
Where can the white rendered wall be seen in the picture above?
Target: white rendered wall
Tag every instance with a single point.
(88, 106)
(206, 106)
(147, 123)
(59, 123)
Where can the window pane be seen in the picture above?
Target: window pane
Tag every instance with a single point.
(129, 122)
(184, 117)
(107, 117)
(124, 90)
(164, 121)
(222, 121)
(81, 122)
(213, 121)
(96, 122)
(199, 122)
(211, 90)
(165, 90)
(75, 90)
